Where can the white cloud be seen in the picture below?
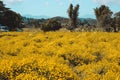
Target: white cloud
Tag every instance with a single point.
(107, 1)
(12, 1)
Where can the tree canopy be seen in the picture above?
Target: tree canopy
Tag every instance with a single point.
(9, 18)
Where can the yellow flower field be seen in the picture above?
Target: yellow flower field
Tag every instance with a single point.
(59, 56)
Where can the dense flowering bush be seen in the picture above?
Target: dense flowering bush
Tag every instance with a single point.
(59, 56)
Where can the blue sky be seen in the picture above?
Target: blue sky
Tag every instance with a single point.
(53, 8)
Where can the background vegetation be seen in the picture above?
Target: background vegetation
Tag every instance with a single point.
(105, 20)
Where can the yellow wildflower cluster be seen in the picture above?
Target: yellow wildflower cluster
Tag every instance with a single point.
(59, 56)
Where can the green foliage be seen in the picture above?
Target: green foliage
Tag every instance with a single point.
(51, 25)
(9, 18)
(116, 22)
(103, 15)
(12, 20)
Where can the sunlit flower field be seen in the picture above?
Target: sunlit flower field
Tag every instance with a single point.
(59, 56)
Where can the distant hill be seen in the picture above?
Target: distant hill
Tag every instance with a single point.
(90, 21)
(36, 17)
(89, 16)
(37, 21)
(64, 20)
(60, 19)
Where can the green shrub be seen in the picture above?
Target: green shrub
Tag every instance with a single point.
(51, 25)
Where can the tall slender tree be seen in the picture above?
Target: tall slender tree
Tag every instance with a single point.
(73, 16)
(70, 14)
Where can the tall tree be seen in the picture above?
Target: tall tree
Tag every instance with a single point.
(70, 14)
(1, 3)
(73, 16)
(103, 15)
(2, 9)
(9, 18)
(116, 21)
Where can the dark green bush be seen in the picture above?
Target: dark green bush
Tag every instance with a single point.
(51, 25)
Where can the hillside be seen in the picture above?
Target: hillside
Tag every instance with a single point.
(64, 21)
(36, 17)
